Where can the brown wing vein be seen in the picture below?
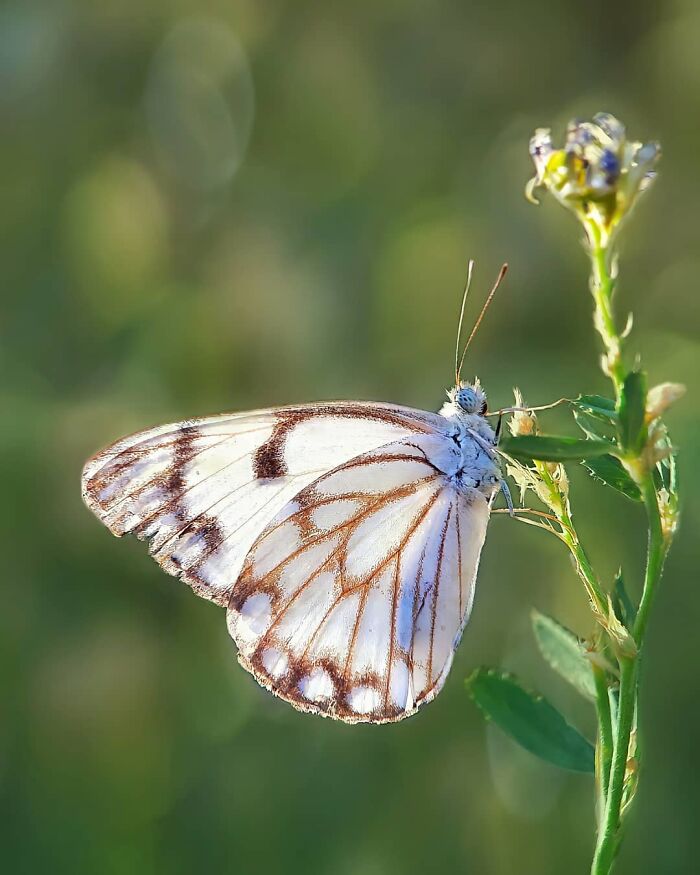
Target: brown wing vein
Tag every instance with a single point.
(416, 607)
(178, 497)
(334, 554)
(226, 498)
(400, 492)
(438, 574)
(397, 577)
(330, 610)
(383, 565)
(135, 453)
(358, 620)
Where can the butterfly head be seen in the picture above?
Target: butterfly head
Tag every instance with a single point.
(468, 398)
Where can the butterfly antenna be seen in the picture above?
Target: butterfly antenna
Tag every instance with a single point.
(470, 271)
(499, 280)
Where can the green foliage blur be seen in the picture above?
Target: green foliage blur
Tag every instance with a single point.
(226, 205)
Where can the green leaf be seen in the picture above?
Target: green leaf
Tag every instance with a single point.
(593, 428)
(622, 604)
(531, 720)
(631, 411)
(666, 470)
(595, 416)
(564, 652)
(610, 471)
(525, 448)
(596, 406)
(673, 483)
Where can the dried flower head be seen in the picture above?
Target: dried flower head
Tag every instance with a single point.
(598, 174)
(522, 421)
(548, 480)
(669, 513)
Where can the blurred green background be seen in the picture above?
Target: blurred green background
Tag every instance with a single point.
(225, 205)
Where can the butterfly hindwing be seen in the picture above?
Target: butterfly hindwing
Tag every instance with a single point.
(203, 490)
(351, 601)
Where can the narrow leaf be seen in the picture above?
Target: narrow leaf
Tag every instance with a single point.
(597, 406)
(610, 471)
(622, 603)
(593, 428)
(666, 470)
(525, 448)
(631, 411)
(531, 720)
(564, 652)
(673, 485)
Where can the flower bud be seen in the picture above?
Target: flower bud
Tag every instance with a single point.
(598, 174)
(661, 397)
(522, 422)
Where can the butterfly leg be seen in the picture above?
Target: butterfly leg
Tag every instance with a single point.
(507, 496)
(498, 426)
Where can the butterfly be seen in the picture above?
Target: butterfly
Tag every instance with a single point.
(343, 538)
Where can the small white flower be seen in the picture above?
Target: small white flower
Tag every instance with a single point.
(598, 174)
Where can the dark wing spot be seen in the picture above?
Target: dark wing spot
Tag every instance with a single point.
(183, 451)
(268, 462)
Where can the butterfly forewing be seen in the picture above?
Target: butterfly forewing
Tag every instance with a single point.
(351, 601)
(202, 491)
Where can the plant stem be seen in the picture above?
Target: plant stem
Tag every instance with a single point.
(656, 554)
(602, 286)
(612, 782)
(583, 564)
(613, 772)
(604, 750)
(609, 833)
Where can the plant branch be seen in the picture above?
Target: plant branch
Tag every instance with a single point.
(604, 751)
(602, 287)
(656, 554)
(609, 836)
(560, 505)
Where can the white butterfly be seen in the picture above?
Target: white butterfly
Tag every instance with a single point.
(342, 538)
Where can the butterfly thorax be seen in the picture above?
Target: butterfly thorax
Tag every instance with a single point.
(478, 464)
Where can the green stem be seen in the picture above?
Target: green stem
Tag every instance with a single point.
(559, 504)
(604, 750)
(609, 834)
(583, 564)
(602, 287)
(617, 741)
(656, 554)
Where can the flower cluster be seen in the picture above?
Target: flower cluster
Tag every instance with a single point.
(598, 174)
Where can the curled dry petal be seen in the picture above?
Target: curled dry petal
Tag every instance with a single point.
(661, 397)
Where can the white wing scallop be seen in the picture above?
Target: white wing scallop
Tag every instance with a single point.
(203, 490)
(352, 600)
